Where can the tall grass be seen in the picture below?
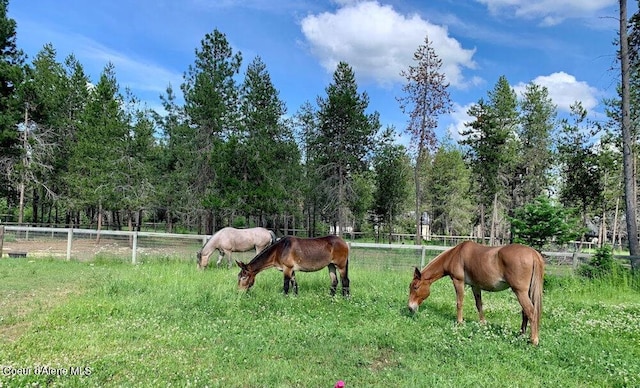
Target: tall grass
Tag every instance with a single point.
(108, 323)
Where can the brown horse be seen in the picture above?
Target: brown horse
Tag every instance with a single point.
(291, 254)
(228, 240)
(490, 269)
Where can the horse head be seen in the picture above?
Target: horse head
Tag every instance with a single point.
(202, 261)
(246, 277)
(419, 290)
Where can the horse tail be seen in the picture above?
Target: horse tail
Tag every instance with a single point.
(346, 265)
(273, 236)
(537, 281)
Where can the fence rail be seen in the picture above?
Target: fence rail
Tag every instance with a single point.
(87, 243)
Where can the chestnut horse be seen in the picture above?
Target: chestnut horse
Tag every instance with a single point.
(291, 254)
(228, 240)
(490, 269)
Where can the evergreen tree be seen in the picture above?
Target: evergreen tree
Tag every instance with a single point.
(492, 151)
(12, 105)
(139, 161)
(449, 183)
(97, 158)
(534, 143)
(47, 132)
(271, 164)
(393, 173)
(211, 105)
(306, 124)
(541, 221)
(426, 98)
(345, 138)
(174, 191)
(73, 111)
(582, 176)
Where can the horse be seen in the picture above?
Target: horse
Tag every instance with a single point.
(291, 254)
(228, 240)
(490, 269)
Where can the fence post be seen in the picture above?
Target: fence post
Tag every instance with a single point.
(134, 248)
(424, 252)
(1, 239)
(69, 241)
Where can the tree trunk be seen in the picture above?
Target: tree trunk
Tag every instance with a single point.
(416, 177)
(482, 224)
(615, 224)
(1, 239)
(99, 223)
(627, 142)
(130, 227)
(494, 220)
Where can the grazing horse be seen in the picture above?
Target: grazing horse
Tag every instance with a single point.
(228, 240)
(490, 269)
(291, 254)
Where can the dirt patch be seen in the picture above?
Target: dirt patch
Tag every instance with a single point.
(17, 308)
(87, 249)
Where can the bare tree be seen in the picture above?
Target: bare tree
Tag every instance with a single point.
(426, 97)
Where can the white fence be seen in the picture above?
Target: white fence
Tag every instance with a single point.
(85, 244)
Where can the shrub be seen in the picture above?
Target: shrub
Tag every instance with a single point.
(601, 264)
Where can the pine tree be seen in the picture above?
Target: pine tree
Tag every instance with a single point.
(581, 174)
(534, 143)
(449, 183)
(492, 150)
(344, 140)
(174, 191)
(97, 157)
(393, 173)
(211, 105)
(426, 98)
(12, 106)
(270, 168)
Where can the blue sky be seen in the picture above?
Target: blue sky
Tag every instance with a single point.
(565, 45)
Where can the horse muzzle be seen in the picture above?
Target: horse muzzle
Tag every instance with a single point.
(413, 307)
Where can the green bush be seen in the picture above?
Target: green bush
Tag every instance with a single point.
(601, 264)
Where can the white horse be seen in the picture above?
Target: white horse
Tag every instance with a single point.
(228, 240)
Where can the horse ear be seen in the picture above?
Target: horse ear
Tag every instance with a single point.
(416, 273)
(241, 264)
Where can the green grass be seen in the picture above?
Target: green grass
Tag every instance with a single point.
(165, 323)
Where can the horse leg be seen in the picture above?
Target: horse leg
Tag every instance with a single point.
(228, 254)
(477, 294)
(288, 275)
(528, 315)
(525, 320)
(294, 283)
(220, 257)
(334, 278)
(459, 286)
(344, 279)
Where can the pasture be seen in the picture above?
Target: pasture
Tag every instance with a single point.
(106, 322)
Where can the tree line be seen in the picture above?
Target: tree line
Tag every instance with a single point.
(226, 151)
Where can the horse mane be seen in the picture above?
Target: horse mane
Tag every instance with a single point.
(264, 254)
(440, 256)
(437, 261)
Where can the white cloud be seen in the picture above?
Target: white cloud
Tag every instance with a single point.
(564, 89)
(378, 42)
(550, 12)
(459, 117)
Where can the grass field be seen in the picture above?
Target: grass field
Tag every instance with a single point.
(163, 323)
